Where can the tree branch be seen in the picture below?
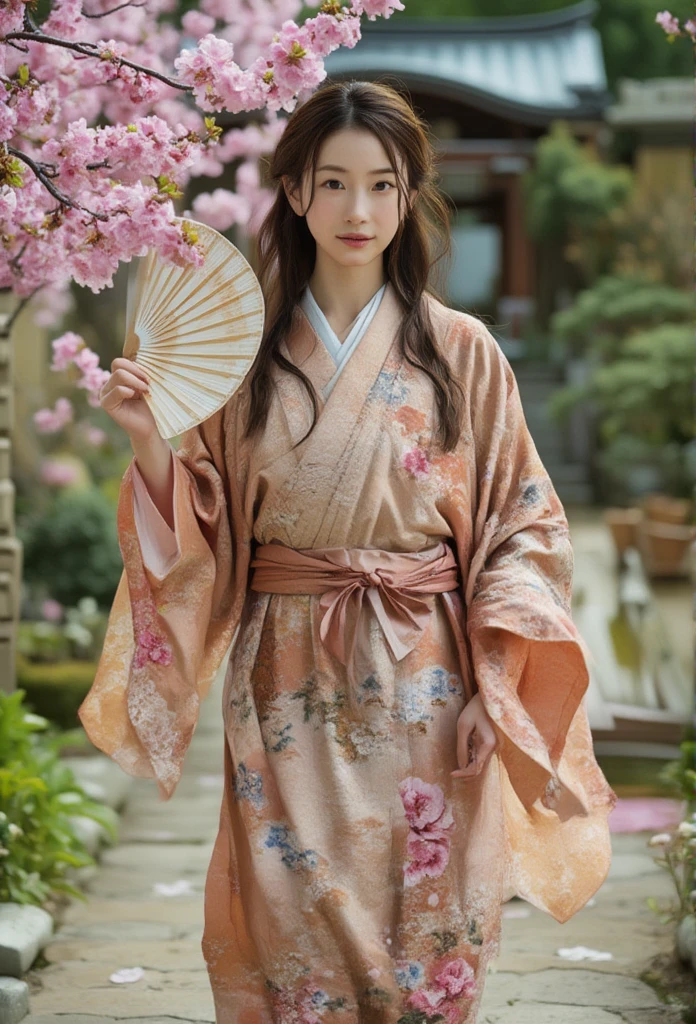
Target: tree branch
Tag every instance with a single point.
(103, 14)
(50, 187)
(92, 50)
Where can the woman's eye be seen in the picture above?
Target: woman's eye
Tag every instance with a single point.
(335, 181)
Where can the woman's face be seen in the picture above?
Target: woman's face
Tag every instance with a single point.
(355, 192)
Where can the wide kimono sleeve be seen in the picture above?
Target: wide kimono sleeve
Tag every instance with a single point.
(177, 605)
(529, 661)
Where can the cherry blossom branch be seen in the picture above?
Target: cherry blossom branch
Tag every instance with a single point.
(92, 50)
(7, 325)
(112, 10)
(45, 180)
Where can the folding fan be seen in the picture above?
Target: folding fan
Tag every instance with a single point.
(194, 330)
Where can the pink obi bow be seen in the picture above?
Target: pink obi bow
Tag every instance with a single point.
(398, 586)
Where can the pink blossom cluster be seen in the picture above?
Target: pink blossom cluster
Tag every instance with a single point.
(671, 26)
(92, 435)
(78, 199)
(70, 348)
(431, 822)
(52, 610)
(49, 421)
(55, 473)
(453, 982)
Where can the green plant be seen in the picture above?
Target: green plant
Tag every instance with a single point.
(568, 187)
(604, 315)
(71, 549)
(638, 337)
(55, 691)
(79, 637)
(38, 798)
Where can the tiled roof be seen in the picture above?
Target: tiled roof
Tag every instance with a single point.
(530, 68)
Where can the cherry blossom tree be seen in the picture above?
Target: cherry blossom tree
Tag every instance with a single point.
(107, 116)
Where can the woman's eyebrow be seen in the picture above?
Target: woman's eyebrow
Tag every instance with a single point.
(335, 167)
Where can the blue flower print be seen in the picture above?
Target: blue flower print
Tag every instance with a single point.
(386, 389)
(248, 785)
(293, 856)
(409, 974)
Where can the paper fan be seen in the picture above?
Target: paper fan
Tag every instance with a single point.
(194, 330)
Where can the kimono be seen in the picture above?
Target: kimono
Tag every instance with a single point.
(352, 878)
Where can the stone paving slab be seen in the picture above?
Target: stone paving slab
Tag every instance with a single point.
(541, 1013)
(172, 955)
(581, 987)
(664, 1015)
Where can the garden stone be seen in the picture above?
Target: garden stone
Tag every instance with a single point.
(686, 938)
(90, 832)
(24, 930)
(101, 779)
(14, 1000)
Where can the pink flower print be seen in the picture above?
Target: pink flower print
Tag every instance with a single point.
(150, 647)
(427, 999)
(457, 978)
(424, 802)
(428, 858)
(416, 462)
(431, 822)
(439, 829)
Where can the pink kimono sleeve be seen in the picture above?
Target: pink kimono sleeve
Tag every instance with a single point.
(529, 659)
(159, 544)
(177, 605)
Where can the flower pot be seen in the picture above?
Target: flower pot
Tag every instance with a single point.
(623, 525)
(665, 548)
(661, 508)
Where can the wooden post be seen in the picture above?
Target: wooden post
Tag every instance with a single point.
(10, 546)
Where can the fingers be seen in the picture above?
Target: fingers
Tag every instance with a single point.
(124, 384)
(112, 398)
(120, 363)
(474, 752)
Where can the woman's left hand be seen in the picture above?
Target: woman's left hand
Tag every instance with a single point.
(475, 732)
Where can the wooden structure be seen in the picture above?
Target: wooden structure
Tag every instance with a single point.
(489, 87)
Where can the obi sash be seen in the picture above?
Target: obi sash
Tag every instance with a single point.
(398, 586)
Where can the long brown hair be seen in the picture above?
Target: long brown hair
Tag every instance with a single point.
(287, 250)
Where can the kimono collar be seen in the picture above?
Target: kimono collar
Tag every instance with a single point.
(340, 351)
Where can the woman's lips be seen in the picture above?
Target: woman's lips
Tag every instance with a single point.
(356, 243)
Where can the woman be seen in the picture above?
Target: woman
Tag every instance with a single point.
(406, 745)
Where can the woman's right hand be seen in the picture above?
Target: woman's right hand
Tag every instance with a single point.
(122, 398)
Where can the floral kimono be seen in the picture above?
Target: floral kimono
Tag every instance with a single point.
(353, 879)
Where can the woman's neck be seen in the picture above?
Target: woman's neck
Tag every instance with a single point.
(341, 305)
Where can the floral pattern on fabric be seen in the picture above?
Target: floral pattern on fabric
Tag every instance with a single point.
(347, 882)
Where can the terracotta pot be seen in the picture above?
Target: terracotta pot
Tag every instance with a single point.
(665, 548)
(663, 509)
(623, 524)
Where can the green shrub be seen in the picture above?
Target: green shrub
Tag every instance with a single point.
(55, 691)
(38, 797)
(72, 548)
(80, 636)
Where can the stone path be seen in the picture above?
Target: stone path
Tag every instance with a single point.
(127, 924)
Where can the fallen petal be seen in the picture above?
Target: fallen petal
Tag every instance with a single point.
(127, 975)
(582, 953)
(178, 888)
